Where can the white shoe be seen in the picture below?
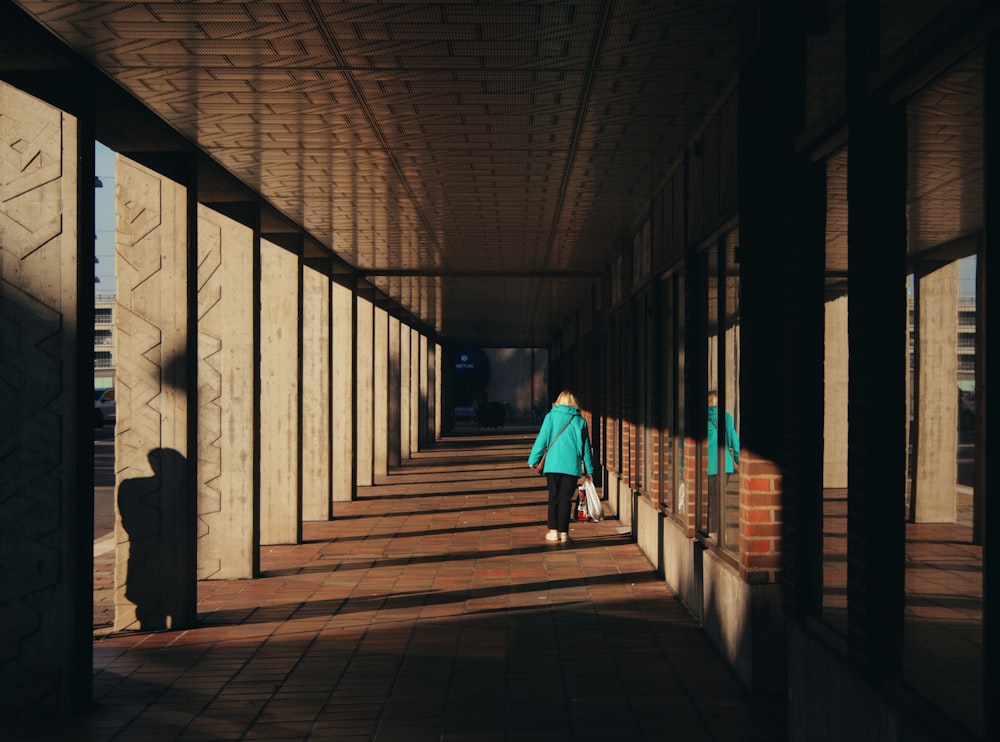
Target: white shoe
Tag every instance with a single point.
(563, 537)
(552, 536)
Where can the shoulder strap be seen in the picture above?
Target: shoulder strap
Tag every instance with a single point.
(557, 435)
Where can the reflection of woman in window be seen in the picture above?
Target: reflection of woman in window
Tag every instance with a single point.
(732, 453)
(732, 439)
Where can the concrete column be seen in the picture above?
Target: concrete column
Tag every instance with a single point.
(315, 397)
(934, 484)
(394, 392)
(155, 567)
(425, 392)
(835, 362)
(280, 462)
(364, 385)
(342, 447)
(380, 394)
(228, 503)
(436, 381)
(405, 383)
(416, 365)
(46, 443)
(876, 258)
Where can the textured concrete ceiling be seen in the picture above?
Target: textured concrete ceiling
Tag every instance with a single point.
(476, 161)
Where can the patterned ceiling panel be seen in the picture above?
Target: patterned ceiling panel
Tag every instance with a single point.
(509, 140)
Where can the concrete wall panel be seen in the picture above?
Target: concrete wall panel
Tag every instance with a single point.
(364, 389)
(937, 396)
(835, 394)
(280, 484)
(416, 364)
(342, 404)
(156, 494)
(405, 386)
(315, 397)
(647, 517)
(380, 394)
(678, 562)
(44, 518)
(394, 393)
(228, 506)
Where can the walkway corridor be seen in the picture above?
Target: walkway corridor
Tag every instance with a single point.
(430, 609)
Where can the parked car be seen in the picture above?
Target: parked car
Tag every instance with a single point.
(104, 406)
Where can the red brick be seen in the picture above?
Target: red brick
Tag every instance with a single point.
(763, 530)
(759, 515)
(760, 484)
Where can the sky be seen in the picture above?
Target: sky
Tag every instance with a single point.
(104, 220)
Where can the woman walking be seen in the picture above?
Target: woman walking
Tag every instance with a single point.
(563, 447)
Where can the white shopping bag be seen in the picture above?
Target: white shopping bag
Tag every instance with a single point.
(594, 509)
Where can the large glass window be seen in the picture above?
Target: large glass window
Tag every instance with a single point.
(719, 516)
(729, 409)
(671, 365)
(708, 499)
(944, 502)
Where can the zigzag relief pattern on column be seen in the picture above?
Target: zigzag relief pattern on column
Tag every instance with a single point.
(31, 136)
(140, 370)
(139, 389)
(139, 212)
(210, 346)
(29, 472)
(210, 392)
(36, 405)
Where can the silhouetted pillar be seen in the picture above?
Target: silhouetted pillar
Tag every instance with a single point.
(280, 460)
(343, 309)
(155, 569)
(46, 437)
(228, 502)
(876, 290)
(315, 396)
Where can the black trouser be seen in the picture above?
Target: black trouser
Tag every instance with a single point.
(561, 489)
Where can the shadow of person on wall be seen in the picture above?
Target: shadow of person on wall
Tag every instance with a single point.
(150, 509)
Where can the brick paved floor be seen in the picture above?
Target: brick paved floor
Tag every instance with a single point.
(429, 609)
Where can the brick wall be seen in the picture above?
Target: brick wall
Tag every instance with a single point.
(760, 519)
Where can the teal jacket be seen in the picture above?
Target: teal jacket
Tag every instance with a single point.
(570, 454)
(732, 443)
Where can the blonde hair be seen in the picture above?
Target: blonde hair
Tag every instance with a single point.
(566, 397)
